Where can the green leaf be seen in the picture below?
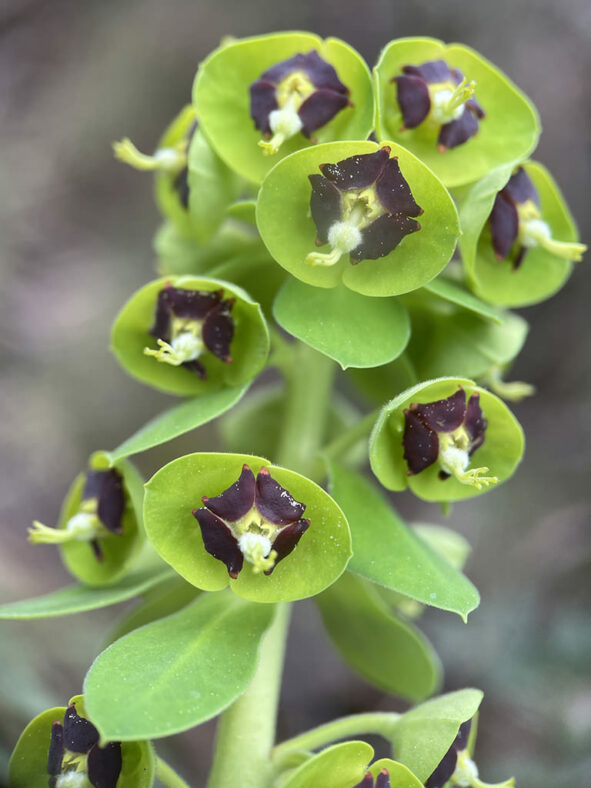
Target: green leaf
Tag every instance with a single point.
(453, 291)
(378, 383)
(340, 766)
(350, 328)
(80, 598)
(178, 672)
(289, 232)
(243, 211)
(221, 97)
(28, 764)
(389, 553)
(508, 133)
(400, 776)
(541, 273)
(424, 734)
(176, 421)
(171, 495)
(249, 348)
(501, 451)
(450, 545)
(391, 654)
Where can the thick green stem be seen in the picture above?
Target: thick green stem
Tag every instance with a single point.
(246, 731)
(167, 775)
(309, 388)
(379, 722)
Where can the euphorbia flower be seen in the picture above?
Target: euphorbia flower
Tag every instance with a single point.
(516, 219)
(458, 769)
(257, 520)
(188, 323)
(300, 94)
(75, 758)
(447, 431)
(382, 780)
(437, 95)
(99, 514)
(361, 206)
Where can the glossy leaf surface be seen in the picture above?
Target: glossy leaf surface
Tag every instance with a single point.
(424, 734)
(171, 494)
(249, 347)
(221, 97)
(508, 133)
(501, 452)
(80, 598)
(389, 553)
(340, 766)
(352, 329)
(389, 653)
(541, 273)
(175, 673)
(187, 416)
(289, 232)
(28, 764)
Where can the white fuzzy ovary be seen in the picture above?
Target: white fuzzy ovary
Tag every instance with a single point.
(344, 236)
(73, 780)
(254, 546)
(187, 346)
(439, 111)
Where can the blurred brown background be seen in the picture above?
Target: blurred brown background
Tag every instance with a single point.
(75, 240)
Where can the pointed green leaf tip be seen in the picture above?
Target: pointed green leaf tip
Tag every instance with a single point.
(388, 553)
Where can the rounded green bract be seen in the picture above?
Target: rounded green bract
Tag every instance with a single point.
(508, 133)
(541, 274)
(501, 451)
(221, 97)
(249, 346)
(28, 763)
(177, 489)
(289, 232)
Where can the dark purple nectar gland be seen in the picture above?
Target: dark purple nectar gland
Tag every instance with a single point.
(361, 206)
(516, 224)
(456, 768)
(448, 432)
(99, 515)
(300, 94)
(188, 323)
(254, 519)
(382, 780)
(438, 96)
(75, 759)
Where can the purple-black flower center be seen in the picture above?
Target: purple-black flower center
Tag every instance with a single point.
(362, 206)
(255, 519)
(434, 96)
(188, 323)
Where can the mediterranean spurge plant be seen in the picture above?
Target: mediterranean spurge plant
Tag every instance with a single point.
(308, 230)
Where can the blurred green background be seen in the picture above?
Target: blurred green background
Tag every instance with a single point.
(75, 240)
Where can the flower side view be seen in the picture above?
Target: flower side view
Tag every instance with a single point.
(516, 221)
(99, 514)
(437, 95)
(382, 780)
(447, 431)
(362, 206)
(457, 768)
(187, 323)
(300, 94)
(75, 758)
(254, 519)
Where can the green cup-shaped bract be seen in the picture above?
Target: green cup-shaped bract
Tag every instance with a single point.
(28, 763)
(119, 551)
(212, 186)
(176, 490)
(508, 133)
(541, 273)
(221, 97)
(501, 451)
(289, 232)
(249, 347)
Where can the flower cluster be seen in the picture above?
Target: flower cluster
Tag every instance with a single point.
(254, 519)
(435, 94)
(189, 322)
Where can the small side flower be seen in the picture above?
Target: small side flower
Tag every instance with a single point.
(381, 781)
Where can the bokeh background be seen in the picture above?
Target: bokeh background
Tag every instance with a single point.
(75, 241)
